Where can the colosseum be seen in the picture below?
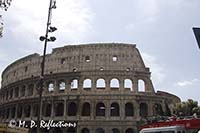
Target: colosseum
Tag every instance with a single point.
(101, 88)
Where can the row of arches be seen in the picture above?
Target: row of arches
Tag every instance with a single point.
(85, 130)
(100, 84)
(60, 109)
(74, 84)
(113, 130)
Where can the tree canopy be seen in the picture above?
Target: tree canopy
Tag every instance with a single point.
(187, 108)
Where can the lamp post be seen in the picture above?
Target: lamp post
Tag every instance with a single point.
(46, 39)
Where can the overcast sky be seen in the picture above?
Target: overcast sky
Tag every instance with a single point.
(161, 29)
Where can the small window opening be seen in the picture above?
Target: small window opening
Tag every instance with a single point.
(101, 69)
(128, 69)
(74, 70)
(87, 58)
(114, 58)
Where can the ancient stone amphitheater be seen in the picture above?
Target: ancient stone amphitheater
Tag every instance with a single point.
(104, 88)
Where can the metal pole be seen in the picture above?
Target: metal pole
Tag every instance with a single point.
(40, 90)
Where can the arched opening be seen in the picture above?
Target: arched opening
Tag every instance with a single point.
(128, 85)
(59, 109)
(13, 112)
(141, 85)
(11, 93)
(57, 130)
(7, 113)
(114, 84)
(47, 109)
(87, 84)
(101, 84)
(99, 130)
(158, 109)
(22, 91)
(100, 109)
(115, 130)
(71, 130)
(86, 109)
(85, 130)
(50, 86)
(143, 110)
(19, 111)
(16, 91)
(72, 109)
(62, 85)
(129, 109)
(27, 110)
(114, 109)
(129, 130)
(74, 84)
(35, 110)
(30, 90)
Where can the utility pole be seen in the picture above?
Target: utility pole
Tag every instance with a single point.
(46, 39)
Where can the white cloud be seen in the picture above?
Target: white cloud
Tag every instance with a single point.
(158, 74)
(187, 82)
(184, 83)
(73, 18)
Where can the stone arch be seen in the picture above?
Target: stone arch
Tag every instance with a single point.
(100, 109)
(7, 113)
(11, 93)
(85, 130)
(129, 109)
(129, 130)
(99, 130)
(16, 91)
(61, 85)
(59, 109)
(128, 84)
(47, 109)
(13, 110)
(141, 85)
(35, 110)
(114, 83)
(143, 110)
(72, 109)
(114, 109)
(19, 111)
(74, 84)
(71, 130)
(27, 110)
(86, 109)
(30, 90)
(115, 130)
(87, 84)
(22, 91)
(50, 86)
(158, 109)
(100, 83)
(57, 130)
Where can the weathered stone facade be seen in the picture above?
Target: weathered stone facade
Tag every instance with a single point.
(96, 85)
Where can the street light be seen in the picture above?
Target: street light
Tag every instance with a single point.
(46, 39)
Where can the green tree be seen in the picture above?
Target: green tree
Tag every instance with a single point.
(4, 4)
(187, 108)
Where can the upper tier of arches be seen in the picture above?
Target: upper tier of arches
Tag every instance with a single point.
(78, 58)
